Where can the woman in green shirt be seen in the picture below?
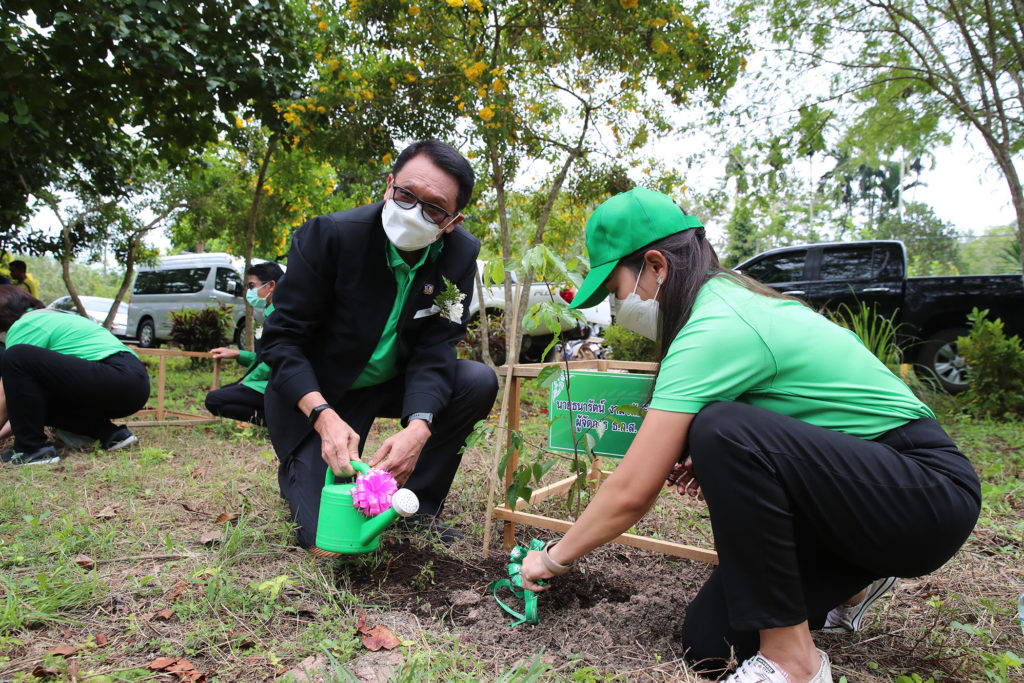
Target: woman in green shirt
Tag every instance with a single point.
(65, 371)
(824, 476)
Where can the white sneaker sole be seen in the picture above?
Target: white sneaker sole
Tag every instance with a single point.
(123, 444)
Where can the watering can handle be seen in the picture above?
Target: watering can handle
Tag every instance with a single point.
(357, 465)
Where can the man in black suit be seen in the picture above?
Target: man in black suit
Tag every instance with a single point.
(365, 324)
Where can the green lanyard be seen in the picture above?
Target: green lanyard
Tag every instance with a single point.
(514, 583)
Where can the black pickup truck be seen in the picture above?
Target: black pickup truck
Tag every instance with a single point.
(930, 312)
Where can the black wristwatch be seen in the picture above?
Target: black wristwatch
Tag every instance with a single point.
(426, 417)
(315, 413)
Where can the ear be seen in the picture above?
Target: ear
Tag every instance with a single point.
(387, 190)
(451, 226)
(657, 264)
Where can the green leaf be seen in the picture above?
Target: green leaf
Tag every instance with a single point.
(548, 375)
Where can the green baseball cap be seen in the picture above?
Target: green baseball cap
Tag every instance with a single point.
(620, 226)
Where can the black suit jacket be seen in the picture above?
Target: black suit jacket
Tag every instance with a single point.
(330, 309)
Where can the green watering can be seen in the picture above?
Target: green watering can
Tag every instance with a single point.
(342, 528)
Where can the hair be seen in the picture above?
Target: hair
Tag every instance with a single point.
(266, 271)
(18, 264)
(692, 261)
(448, 159)
(14, 303)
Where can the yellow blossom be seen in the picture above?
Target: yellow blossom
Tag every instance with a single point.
(239, 123)
(628, 4)
(462, 106)
(322, 109)
(473, 72)
(386, 159)
(475, 5)
(482, 91)
(455, 3)
(486, 113)
(659, 46)
(414, 10)
(498, 85)
(410, 77)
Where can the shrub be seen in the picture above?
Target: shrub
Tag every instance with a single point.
(201, 329)
(995, 368)
(627, 345)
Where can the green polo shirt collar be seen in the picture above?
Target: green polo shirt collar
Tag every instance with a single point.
(383, 363)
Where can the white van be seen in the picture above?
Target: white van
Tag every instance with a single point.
(186, 281)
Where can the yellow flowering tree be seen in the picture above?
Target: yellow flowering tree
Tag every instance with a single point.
(540, 95)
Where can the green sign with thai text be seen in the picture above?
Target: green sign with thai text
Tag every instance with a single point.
(596, 409)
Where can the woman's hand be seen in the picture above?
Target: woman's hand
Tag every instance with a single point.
(225, 353)
(533, 570)
(683, 478)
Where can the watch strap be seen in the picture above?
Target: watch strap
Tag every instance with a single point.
(315, 413)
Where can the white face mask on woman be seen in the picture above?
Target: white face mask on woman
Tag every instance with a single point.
(407, 228)
(640, 315)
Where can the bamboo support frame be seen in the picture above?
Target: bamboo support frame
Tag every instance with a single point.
(178, 418)
(511, 517)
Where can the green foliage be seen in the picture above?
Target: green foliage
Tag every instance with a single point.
(201, 329)
(470, 347)
(106, 85)
(932, 246)
(995, 368)
(628, 345)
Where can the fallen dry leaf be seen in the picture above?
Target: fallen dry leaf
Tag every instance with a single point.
(176, 590)
(101, 639)
(226, 517)
(191, 508)
(211, 537)
(84, 561)
(380, 637)
(43, 672)
(161, 663)
(62, 650)
(106, 513)
(198, 472)
(181, 665)
(164, 614)
(362, 626)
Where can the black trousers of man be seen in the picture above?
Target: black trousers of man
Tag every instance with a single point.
(44, 387)
(805, 517)
(237, 402)
(301, 475)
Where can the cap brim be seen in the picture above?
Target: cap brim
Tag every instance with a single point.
(592, 290)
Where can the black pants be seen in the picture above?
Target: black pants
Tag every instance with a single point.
(805, 517)
(238, 402)
(301, 475)
(44, 387)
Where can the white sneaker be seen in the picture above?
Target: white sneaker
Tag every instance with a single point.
(847, 618)
(760, 669)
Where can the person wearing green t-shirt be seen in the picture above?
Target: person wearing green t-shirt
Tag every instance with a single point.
(824, 476)
(65, 371)
(243, 400)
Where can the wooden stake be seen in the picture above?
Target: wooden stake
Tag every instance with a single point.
(511, 358)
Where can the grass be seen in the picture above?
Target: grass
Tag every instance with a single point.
(181, 548)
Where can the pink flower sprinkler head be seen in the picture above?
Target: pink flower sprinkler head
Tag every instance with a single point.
(373, 491)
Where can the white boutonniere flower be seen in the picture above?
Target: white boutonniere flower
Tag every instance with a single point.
(449, 301)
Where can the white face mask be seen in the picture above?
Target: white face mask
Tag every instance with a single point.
(640, 315)
(407, 228)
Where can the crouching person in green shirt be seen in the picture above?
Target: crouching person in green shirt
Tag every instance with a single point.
(63, 370)
(243, 400)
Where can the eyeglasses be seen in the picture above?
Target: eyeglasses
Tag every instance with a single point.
(255, 285)
(407, 200)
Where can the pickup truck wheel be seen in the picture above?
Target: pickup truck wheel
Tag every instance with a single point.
(147, 334)
(940, 359)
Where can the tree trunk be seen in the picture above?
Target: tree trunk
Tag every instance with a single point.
(485, 328)
(498, 175)
(65, 264)
(250, 233)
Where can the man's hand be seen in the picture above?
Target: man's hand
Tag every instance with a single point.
(224, 352)
(339, 443)
(399, 453)
(683, 478)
